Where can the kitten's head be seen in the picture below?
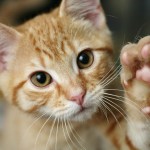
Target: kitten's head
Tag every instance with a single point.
(54, 63)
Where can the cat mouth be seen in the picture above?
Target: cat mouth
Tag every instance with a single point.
(84, 113)
(82, 110)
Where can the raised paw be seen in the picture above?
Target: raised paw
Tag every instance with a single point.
(135, 60)
(135, 75)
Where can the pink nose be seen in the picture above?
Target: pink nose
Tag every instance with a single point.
(79, 99)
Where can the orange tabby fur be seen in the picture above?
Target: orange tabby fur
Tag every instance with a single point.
(51, 41)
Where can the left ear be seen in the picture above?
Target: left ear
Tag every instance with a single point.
(89, 10)
(8, 42)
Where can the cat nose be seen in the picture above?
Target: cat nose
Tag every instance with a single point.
(79, 98)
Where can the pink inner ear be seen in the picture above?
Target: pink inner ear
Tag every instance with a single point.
(94, 17)
(8, 42)
(89, 10)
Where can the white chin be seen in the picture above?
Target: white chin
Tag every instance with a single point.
(77, 115)
(84, 115)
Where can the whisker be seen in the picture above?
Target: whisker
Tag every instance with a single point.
(107, 75)
(30, 126)
(114, 90)
(112, 16)
(111, 113)
(112, 78)
(108, 82)
(132, 104)
(113, 105)
(75, 136)
(105, 113)
(50, 133)
(56, 134)
(94, 93)
(40, 131)
(137, 37)
(103, 110)
(124, 98)
(76, 132)
(110, 75)
(127, 118)
(119, 90)
(65, 135)
(69, 135)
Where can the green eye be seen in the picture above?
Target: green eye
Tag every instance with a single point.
(85, 59)
(41, 79)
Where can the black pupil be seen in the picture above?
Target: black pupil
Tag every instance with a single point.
(41, 77)
(83, 58)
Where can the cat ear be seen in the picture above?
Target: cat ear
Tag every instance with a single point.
(8, 41)
(89, 10)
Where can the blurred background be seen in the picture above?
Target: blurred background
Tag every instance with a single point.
(129, 20)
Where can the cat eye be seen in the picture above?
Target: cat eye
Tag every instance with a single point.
(41, 79)
(85, 59)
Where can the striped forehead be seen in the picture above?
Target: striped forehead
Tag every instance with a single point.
(53, 41)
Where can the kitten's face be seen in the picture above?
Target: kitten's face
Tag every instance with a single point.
(57, 67)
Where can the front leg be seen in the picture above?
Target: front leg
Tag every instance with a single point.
(135, 78)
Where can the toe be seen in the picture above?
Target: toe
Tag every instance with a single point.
(146, 110)
(145, 52)
(144, 74)
(125, 59)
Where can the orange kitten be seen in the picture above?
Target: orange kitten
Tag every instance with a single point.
(56, 67)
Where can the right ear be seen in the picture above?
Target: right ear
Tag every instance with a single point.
(9, 39)
(89, 10)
